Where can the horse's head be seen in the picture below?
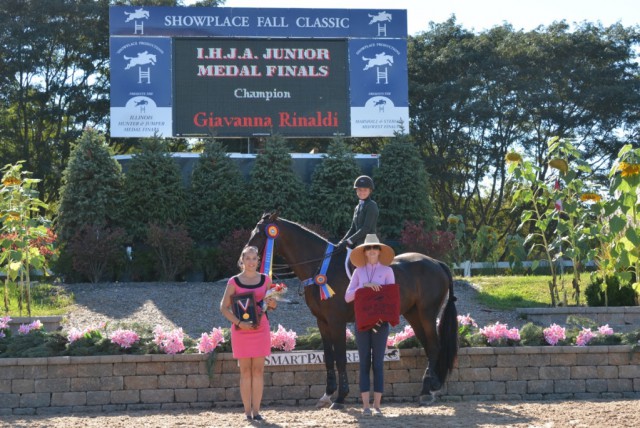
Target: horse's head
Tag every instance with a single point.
(259, 233)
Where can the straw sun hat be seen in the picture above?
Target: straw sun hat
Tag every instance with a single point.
(359, 259)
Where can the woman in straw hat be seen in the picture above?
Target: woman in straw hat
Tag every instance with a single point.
(372, 260)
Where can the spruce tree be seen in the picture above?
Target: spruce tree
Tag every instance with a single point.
(218, 196)
(154, 192)
(402, 188)
(92, 187)
(274, 185)
(331, 193)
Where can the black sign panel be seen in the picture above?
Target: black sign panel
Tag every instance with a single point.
(241, 87)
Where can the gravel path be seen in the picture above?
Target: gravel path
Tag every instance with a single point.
(195, 306)
(577, 414)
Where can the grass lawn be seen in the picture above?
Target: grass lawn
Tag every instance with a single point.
(46, 299)
(510, 292)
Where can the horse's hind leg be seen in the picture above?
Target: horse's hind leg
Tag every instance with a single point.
(427, 334)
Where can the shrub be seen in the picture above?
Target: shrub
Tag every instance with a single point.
(97, 250)
(153, 190)
(92, 185)
(402, 188)
(436, 244)
(172, 247)
(218, 200)
(532, 335)
(331, 192)
(274, 184)
(617, 295)
(230, 249)
(211, 265)
(143, 265)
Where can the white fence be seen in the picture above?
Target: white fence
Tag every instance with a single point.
(468, 266)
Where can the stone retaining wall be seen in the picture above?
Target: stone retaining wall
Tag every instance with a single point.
(135, 382)
(620, 318)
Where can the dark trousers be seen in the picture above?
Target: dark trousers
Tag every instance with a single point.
(371, 347)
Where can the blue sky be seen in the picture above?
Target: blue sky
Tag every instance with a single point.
(480, 15)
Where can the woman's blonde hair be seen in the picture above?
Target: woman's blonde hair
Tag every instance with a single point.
(245, 250)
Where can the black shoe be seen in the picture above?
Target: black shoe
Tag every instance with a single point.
(258, 418)
(249, 418)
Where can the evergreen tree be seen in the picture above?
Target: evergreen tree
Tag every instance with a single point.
(154, 192)
(218, 196)
(274, 185)
(402, 188)
(92, 187)
(331, 192)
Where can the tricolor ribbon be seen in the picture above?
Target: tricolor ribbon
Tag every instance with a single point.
(267, 259)
(320, 279)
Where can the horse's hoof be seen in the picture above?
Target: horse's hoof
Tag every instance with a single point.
(427, 402)
(337, 406)
(324, 401)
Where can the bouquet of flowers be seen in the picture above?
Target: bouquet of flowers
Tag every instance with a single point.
(276, 292)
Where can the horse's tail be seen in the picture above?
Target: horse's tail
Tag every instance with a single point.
(448, 333)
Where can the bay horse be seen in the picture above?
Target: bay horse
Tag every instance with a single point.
(424, 284)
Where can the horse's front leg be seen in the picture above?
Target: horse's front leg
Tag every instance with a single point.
(339, 338)
(329, 363)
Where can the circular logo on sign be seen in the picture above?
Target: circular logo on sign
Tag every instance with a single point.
(272, 231)
(320, 279)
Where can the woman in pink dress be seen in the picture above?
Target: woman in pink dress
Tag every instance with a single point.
(250, 343)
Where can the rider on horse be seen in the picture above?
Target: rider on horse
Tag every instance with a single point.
(365, 215)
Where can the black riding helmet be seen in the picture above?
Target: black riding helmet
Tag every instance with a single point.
(363, 181)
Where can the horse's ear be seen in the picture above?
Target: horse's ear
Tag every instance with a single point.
(274, 216)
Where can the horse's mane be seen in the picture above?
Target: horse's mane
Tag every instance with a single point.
(305, 228)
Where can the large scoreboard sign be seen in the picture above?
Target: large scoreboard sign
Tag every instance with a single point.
(238, 72)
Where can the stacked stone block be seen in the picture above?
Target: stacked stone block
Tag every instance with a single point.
(148, 382)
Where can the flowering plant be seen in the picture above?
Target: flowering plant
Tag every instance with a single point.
(349, 335)
(283, 339)
(499, 333)
(34, 326)
(584, 337)
(169, 342)
(124, 338)
(466, 327)
(209, 342)
(4, 326)
(407, 333)
(76, 334)
(554, 334)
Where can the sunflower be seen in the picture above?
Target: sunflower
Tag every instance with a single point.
(559, 164)
(513, 157)
(629, 169)
(11, 181)
(590, 197)
(12, 215)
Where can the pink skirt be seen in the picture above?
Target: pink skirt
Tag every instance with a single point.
(252, 343)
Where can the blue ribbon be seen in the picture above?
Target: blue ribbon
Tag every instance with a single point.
(268, 257)
(326, 291)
